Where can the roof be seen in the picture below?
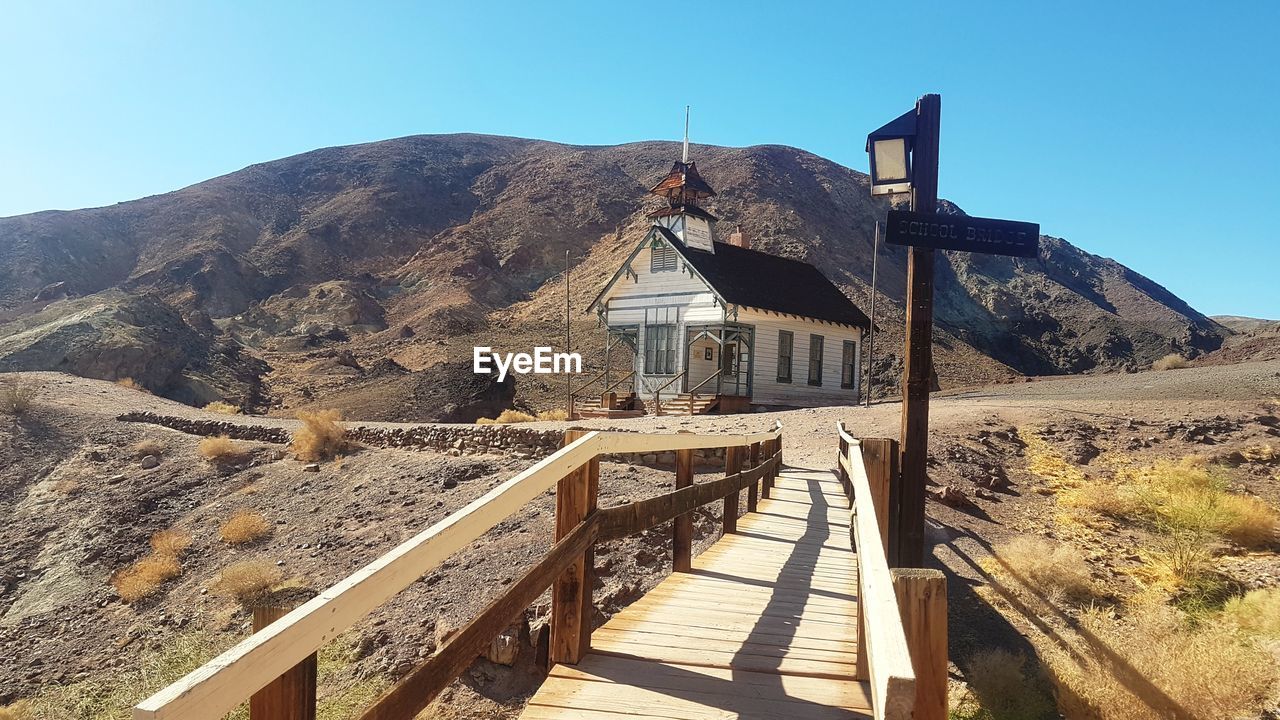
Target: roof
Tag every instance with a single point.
(683, 177)
(682, 209)
(767, 282)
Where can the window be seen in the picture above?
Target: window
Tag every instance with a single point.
(660, 331)
(815, 360)
(662, 258)
(785, 342)
(848, 363)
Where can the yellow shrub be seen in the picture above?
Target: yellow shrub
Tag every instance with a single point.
(507, 417)
(144, 577)
(222, 408)
(1152, 666)
(132, 384)
(556, 414)
(1190, 496)
(247, 580)
(1261, 453)
(17, 711)
(1172, 361)
(143, 448)
(1046, 566)
(170, 542)
(1001, 689)
(1257, 612)
(1048, 464)
(1104, 498)
(221, 450)
(245, 526)
(320, 437)
(16, 397)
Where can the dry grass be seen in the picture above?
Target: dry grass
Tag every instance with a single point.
(222, 450)
(1257, 612)
(1001, 688)
(144, 578)
(17, 396)
(553, 415)
(1262, 454)
(1151, 666)
(1052, 568)
(1048, 464)
(1172, 361)
(507, 417)
(247, 580)
(222, 408)
(245, 526)
(321, 437)
(67, 486)
(132, 384)
(17, 711)
(143, 448)
(1103, 497)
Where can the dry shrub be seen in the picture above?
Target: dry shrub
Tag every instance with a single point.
(143, 448)
(1104, 498)
(1172, 361)
(144, 577)
(553, 415)
(1191, 496)
(222, 408)
(170, 542)
(1048, 464)
(132, 384)
(1257, 612)
(245, 526)
(1046, 566)
(247, 580)
(1152, 666)
(320, 437)
(221, 450)
(16, 397)
(17, 711)
(1001, 689)
(507, 417)
(1180, 561)
(1261, 454)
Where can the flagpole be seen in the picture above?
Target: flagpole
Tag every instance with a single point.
(871, 332)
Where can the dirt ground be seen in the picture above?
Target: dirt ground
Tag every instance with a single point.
(80, 507)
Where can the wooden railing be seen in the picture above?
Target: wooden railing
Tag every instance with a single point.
(657, 394)
(577, 394)
(257, 662)
(902, 613)
(694, 390)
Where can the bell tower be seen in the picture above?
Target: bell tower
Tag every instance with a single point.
(684, 190)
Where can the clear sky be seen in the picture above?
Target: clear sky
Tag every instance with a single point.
(1144, 131)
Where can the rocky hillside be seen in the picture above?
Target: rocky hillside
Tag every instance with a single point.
(411, 249)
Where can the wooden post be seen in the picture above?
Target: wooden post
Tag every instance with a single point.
(571, 608)
(732, 466)
(753, 463)
(880, 457)
(840, 471)
(922, 600)
(682, 526)
(918, 364)
(767, 481)
(292, 696)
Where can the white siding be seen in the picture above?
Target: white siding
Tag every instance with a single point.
(766, 390)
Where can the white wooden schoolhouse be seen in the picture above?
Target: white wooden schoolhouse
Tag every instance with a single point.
(717, 326)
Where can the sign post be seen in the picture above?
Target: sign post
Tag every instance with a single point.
(904, 158)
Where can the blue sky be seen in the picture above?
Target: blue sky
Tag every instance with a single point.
(1146, 132)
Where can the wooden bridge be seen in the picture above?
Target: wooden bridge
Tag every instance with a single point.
(779, 618)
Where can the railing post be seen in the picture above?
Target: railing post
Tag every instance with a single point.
(767, 482)
(732, 466)
(844, 475)
(682, 527)
(880, 457)
(571, 608)
(292, 696)
(922, 601)
(754, 462)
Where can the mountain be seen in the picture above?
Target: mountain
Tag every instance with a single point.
(412, 249)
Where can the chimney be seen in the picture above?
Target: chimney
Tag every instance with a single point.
(740, 239)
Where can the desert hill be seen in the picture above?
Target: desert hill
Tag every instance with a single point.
(416, 248)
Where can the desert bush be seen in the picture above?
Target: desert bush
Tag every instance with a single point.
(1172, 361)
(170, 542)
(507, 417)
(128, 382)
(1000, 688)
(1046, 566)
(1257, 612)
(321, 437)
(222, 408)
(1151, 665)
(1048, 464)
(1265, 453)
(144, 577)
(1102, 497)
(143, 448)
(221, 450)
(17, 711)
(245, 526)
(16, 396)
(247, 580)
(556, 414)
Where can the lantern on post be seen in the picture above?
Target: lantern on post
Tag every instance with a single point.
(890, 149)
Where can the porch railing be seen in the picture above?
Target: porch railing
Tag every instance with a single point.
(657, 394)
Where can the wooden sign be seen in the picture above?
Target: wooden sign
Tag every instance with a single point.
(961, 232)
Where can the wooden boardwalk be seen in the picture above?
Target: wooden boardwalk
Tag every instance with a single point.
(765, 626)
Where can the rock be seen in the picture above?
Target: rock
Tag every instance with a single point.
(311, 467)
(115, 479)
(504, 649)
(95, 456)
(449, 483)
(951, 496)
(150, 461)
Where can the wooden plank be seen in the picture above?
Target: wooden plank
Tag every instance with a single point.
(753, 460)
(687, 705)
(732, 466)
(416, 690)
(623, 520)
(922, 599)
(649, 633)
(682, 526)
(217, 687)
(607, 641)
(571, 608)
(292, 696)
